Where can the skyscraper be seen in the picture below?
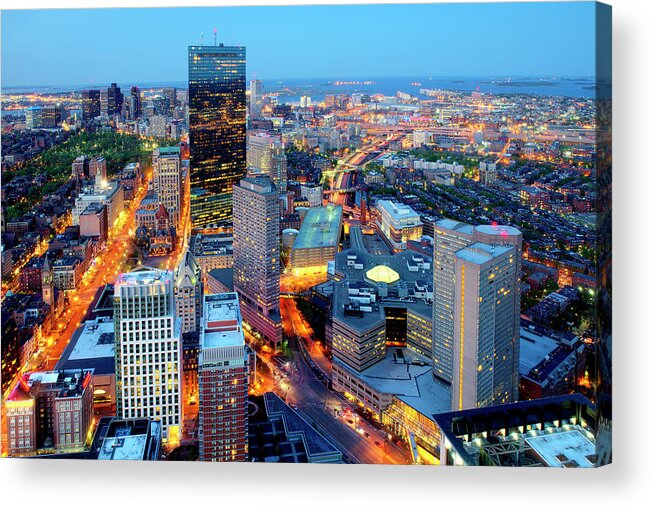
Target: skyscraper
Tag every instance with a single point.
(256, 255)
(217, 110)
(450, 237)
(90, 104)
(223, 381)
(486, 288)
(148, 349)
(111, 100)
(135, 106)
(266, 154)
(168, 181)
(188, 293)
(256, 99)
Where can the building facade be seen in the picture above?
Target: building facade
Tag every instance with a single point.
(223, 381)
(256, 255)
(217, 113)
(148, 349)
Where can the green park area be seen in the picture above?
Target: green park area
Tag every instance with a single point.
(118, 149)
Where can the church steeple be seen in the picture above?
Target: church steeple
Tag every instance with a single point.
(47, 283)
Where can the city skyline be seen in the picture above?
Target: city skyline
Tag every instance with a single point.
(479, 49)
(317, 272)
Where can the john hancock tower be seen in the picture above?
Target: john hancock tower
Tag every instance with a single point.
(217, 96)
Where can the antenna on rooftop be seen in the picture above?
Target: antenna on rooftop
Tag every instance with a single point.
(202, 38)
(214, 32)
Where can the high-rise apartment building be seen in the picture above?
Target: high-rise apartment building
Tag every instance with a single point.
(188, 293)
(256, 255)
(266, 155)
(90, 104)
(256, 99)
(223, 381)
(148, 349)
(451, 237)
(486, 288)
(168, 181)
(217, 114)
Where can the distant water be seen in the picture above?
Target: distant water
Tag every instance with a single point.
(292, 89)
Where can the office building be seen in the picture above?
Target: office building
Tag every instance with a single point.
(97, 167)
(148, 349)
(168, 180)
(399, 224)
(111, 100)
(486, 284)
(266, 155)
(90, 104)
(313, 193)
(52, 116)
(92, 347)
(34, 117)
(256, 99)
(223, 381)
(450, 237)
(217, 114)
(188, 293)
(131, 439)
(93, 222)
(554, 432)
(317, 241)
(135, 103)
(108, 193)
(256, 255)
(50, 410)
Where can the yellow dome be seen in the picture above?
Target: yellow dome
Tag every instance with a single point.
(382, 274)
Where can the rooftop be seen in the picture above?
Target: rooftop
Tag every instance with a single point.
(408, 376)
(480, 253)
(143, 275)
(321, 227)
(131, 439)
(398, 210)
(567, 449)
(222, 326)
(92, 346)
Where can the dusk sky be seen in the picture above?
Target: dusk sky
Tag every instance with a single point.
(83, 47)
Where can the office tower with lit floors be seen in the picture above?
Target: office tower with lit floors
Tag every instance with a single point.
(486, 288)
(450, 237)
(168, 180)
(266, 155)
(148, 349)
(223, 381)
(217, 114)
(256, 255)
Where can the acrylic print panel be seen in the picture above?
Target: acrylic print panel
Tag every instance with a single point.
(353, 245)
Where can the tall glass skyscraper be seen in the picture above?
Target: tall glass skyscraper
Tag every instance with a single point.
(217, 100)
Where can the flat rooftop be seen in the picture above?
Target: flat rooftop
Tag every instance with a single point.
(222, 325)
(408, 376)
(480, 253)
(91, 346)
(398, 210)
(533, 349)
(321, 228)
(143, 275)
(567, 449)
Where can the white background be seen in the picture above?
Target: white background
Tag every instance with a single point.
(626, 482)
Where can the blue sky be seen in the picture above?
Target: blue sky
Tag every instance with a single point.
(80, 47)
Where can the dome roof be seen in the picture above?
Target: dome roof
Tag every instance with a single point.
(382, 273)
